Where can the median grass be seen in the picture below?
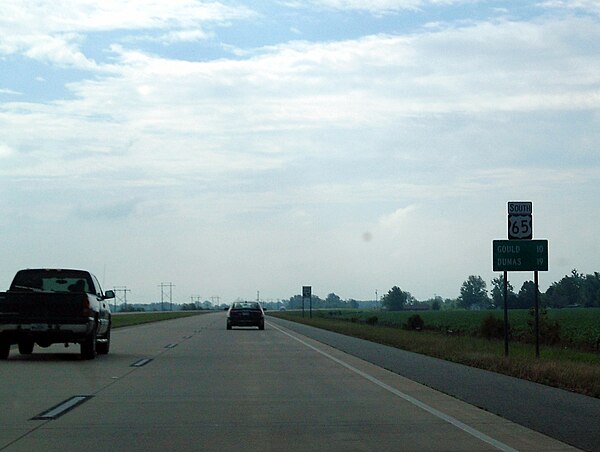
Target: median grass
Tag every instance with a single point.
(558, 366)
(138, 318)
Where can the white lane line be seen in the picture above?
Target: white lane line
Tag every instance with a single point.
(62, 408)
(141, 362)
(451, 420)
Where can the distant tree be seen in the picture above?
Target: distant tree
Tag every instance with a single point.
(435, 303)
(566, 291)
(590, 291)
(130, 308)
(473, 293)
(295, 302)
(333, 301)
(526, 297)
(498, 293)
(395, 299)
(352, 303)
(450, 303)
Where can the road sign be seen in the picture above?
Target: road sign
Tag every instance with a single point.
(520, 220)
(306, 291)
(515, 256)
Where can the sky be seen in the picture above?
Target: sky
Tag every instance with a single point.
(233, 147)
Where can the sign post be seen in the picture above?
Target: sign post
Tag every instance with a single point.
(520, 253)
(307, 293)
(505, 313)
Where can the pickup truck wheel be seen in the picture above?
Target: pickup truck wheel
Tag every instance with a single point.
(4, 350)
(104, 346)
(26, 347)
(88, 346)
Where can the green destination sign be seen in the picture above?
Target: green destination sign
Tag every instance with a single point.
(520, 255)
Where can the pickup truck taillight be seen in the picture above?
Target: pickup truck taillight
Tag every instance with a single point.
(86, 311)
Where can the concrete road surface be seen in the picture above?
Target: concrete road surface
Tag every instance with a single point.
(566, 416)
(189, 384)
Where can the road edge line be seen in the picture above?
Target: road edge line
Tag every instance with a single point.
(440, 415)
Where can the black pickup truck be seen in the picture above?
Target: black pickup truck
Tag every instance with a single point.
(48, 306)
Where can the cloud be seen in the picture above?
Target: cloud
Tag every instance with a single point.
(185, 36)
(5, 151)
(270, 109)
(10, 91)
(106, 211)
(378, 7)
(397, 218)
(54, 32)
(591, 6)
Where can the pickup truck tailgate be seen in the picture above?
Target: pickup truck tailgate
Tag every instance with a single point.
(17, 307)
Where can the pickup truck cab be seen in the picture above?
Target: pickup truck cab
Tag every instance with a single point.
(48, 306)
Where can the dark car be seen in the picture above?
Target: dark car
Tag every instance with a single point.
(246, 313)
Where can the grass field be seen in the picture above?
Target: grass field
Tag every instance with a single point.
(121, 320)
(558, 366)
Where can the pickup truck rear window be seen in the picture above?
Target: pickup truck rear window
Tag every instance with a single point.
(52, 281)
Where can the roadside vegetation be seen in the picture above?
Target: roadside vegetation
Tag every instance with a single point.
(122, 320)
(569, 358)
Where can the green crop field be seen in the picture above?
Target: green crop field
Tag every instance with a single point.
(129, 319)
(579, 328)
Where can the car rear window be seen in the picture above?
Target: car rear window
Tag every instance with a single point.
(246, 305)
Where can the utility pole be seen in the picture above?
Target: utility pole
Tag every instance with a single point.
(196, 300)
(163, 286)
(122, 299)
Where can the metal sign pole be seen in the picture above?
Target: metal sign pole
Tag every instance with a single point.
(537, 315)
(506, 313)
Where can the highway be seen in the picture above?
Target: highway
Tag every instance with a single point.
(189, 384)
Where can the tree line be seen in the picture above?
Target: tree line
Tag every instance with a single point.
(573, 290)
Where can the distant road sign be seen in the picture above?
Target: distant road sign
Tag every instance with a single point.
(520, 220)
(514, 256)
(306, 291)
